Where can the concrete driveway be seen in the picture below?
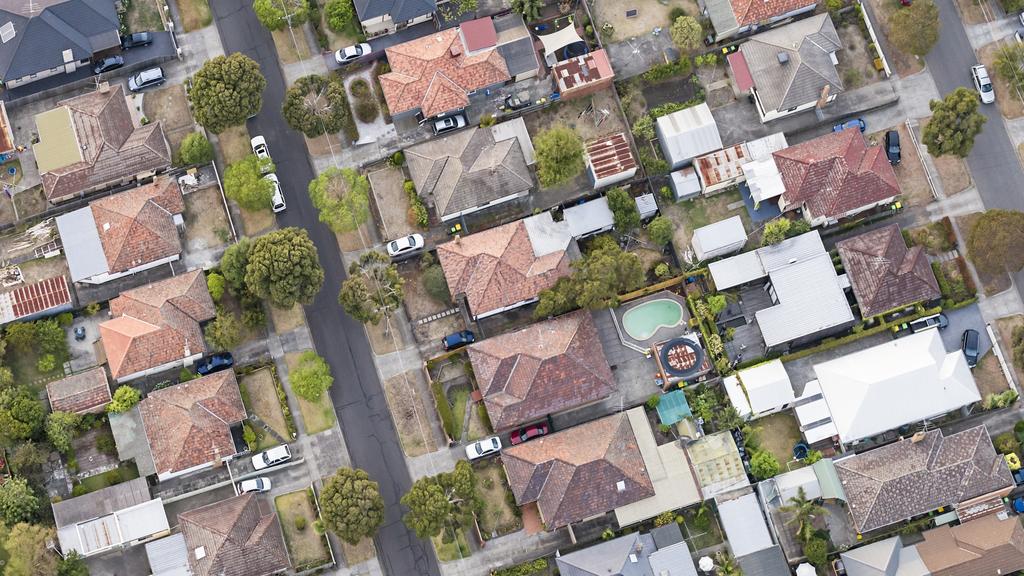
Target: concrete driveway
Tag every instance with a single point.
(960, 320)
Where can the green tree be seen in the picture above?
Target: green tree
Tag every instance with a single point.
(312, 377)
(21, 335)
(61, 429)
(530, 9)
(277, 14)
(915, 29)
(244, 183)
(726, 565)
(1010, 64)
(28, 458)
(661, 231)
(954, 124)
(215, 283)
(351, 505)
(72, 565)
(764, 465)
(373, 289)
(226, 91)
(803, 512)
(816, 550)
(435, 283)
(29, 556)
(686, 33)
(18, 503)
(994, 242)
(21, 414)
(233, 263)
(51, 339)
(342, 197)
(195, 149)
(776, 231)
(316, 105)
(340, 15)
(716, 303)
(225, 332)
(559, 153)
(433, 501)
(604, 273)
(284, 268)
(125, 398)
(625, 214)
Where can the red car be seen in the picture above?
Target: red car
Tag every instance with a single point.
(528, 433)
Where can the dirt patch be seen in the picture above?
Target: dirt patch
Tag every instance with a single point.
(169, 106)
(971, 11)
(144, 15)
(291, 44)
(316, 416)
(206, 223)
(306, 548)
(359, 553)
(953, 172)
(902, 64)
(325, 144)
(692, 214)
(28, 202)
(392, 202)
(1007, 99)
(358, 240)
(933, 237)
(1004, 328)
(195, 14)
(256, 222)
(419, 304)
(384, 343)
(287, 320)
(722, 96)
(234, 143)
(568, 113)
(909, 172)
(499, 516)
(650, 15)
(259, 389)
(992, 284)
(409, 412)
(988, 375)
(856, 60)
(778, 434)
(43, 268)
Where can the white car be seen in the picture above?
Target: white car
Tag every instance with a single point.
(983, 84)
(277, 200)
(405, 245)
(259, 148)
(350, 53)
(484, 447)
(273, 457)
(254, 485)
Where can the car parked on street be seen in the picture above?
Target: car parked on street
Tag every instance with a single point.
(458, 340)
(405, 245)
(482, 448)
(350, 53)
(449, 123)
(107, 64)
(254, 485)
(528, 433)
(273, 457)
(259, 148)
(136, 40)
(970, 344)
(277, 200)
(146, 79)
(892, 147)
(983, 84)
(854, 123)
(214, 363)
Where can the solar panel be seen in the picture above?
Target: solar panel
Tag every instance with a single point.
(7, 32)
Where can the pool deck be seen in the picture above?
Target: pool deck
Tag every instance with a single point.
(661, 334)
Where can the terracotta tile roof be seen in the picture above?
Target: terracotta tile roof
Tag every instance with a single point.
(33, 299)
(86, 391)
(156, 324)
(137, 227)
(587, 470)
(188, 424)
(113, 149)
(987, 545)
(756, 11)
(884, 273)
(905, 479)
(240, 536)
(590, 68)
(498, 268)
(434, 74)
(479, 34)
(543, 369)
(834, 174)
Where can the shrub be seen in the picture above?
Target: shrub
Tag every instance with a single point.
(660, 230)
(340, 14)
(653, 401)
(65, 319)
(300, 523)
(435, 284)
(816, 551)
(1006, 443)
(195, 149)
(764, 465)
(397, 159)
(249, 435)
(680, 67)
(1018, 430)
(92, 309)
(46, 363)
(105, 444)
(665, 518)
(215, 283)
(366, 111)
(444, 409)
(488, 120)
(675, 13)
(662, 270)
(607, 534)
(125, 398)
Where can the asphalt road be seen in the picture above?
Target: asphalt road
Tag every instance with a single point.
(357, 395)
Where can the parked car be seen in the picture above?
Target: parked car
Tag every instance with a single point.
(146, 79)
(517, 101)
(107, 64)
(528, 433)
(277, 200)
(273, 457)
(458, 340)
(254, 485)
(892, 147)
(449, 123)
(928, 322)
(259, 148)
(79, 333)
(350, 53)
(855, 123)
(405, 245)
(136, 40)
(482, 448)
(214, 363)
(1020, 17)
(969, 343)
(983, 84)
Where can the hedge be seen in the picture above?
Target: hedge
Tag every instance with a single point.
(525, 569)
(444, 409)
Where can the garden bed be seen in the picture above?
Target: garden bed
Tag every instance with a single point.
(259, 391)
(317, 416)
(902, 64)
(123, 473)
(935, 238)
(451, 545)
(206, 223)
(500, 516)
(306, 548)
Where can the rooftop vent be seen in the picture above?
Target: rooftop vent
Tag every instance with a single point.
(7, 32)
(621, 485)
(783, 57)
(106, 226)
(200, 552)
(633, 558)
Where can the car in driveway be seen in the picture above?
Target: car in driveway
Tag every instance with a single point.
(107, 64)
(254, 485)
(447, 124)
(528, 433)
(351, 53)
(483, 448)
(136, 40)
(214, 363)
(405, 246)
(928, 322)
(517, 101)
(983, 84)
(259, 148)
(277, 203)
(458, 340)
(892, 147)
(146, 79)
(854, 123)
(273, 457)
(970, 344)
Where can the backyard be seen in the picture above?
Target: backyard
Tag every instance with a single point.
(28, 203)
(648, 16)
(689, 215)
(143, 15)
(700, 527)
(317, 416)
(306, 548)
(778, 434)
(500, 515)
(410, 414)
(259, 393)
(123, 473)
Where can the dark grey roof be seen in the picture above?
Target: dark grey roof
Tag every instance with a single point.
(520, 56)
(40, 38)
(767, 562)
(611, 557)
(101, 502)
(667, 535)
(400, 10)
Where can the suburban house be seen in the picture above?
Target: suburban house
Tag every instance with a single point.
(900, 382)
(43, 39)
(87, 392)
(124, 233)
(380, 17)
(189, 425)
(760, 390)
(609, 160)
(686, 134)
(504, 267)
(722, 169)
(436, 74)
(91, 142)
(543, 369)
(660, 552)
(835, 176)
(791, 68)
(114, 517)
(47, 297)
(240, 536)
(719, 238)
(580, 473)
(582, 75)
(473, 169)
(918, 475)
(156, 327)
(735, 17)
(746, 530)
(807, 297)
(887, 276)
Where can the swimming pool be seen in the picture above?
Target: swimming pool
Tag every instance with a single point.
(644, 320)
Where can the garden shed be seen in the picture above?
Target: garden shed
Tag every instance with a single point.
(686, 134)
(685, 184)
(719, 239)
(760, 390)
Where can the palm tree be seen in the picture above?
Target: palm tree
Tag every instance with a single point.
(726, 565)
(804, 512)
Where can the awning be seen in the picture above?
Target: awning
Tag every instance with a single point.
(673, 407)
(557, 40)
(828, 480)
(740, 71)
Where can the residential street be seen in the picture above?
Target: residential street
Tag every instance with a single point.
(357, 395)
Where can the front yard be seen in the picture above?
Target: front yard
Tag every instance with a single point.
(206, 223)
(914, 187)
(992, 284)
(451, 544)
(856, 61)
(902, 64)
(195, 14)
(306, 548)
(391, 202)
(1004, 330)
(143, 15)
(1007, 99)
(292, 45)
(260, 395)
(169, 105)
(500, 516)
(317, 416)
(410, 414)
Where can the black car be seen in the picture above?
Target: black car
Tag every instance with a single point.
(136, 40)
(517, 101)
(970, 344)
(892, 147)
(107, 64)
(214, 363)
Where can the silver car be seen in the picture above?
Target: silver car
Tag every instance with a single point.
(350, 53)
(983, 84)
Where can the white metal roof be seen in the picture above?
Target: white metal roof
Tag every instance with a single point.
(767, 386)
(744, 524)
(82, 244)
(736, 270)
(168, 556)
(685, 183)
(688, 133)
(899, 382)
(589, 217)
(765, 146)
(787, 485)
(764, 179)
(810, 300)
(114, 529)
(646, 204)
(721, 234)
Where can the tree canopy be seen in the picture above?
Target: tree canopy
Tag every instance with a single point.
(530, 9)
(125, 398)
(764, 465)
(994, 242)
(351, 505)
(61, 429)
(661, 230)
(625, 214)
(803, 511)
(18, 503)
(1009, 64)
(195, 149)
(233, 263)
(244, 183)
(559, 153)
(72, 565)
(954, 124)
(277, 14)
(312, 377)
(226, 91)
(433, 501)
(225, 332)
(26, 546)
(597, 280)
(686, 33)
(316, 105)
(21, 414)
(914, 29)
(340, 15)
(373, 289)
(342, 196)
(284, 268)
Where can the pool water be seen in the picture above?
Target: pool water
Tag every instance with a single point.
(644, 320)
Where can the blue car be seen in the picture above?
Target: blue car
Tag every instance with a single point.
(856, 122)
(458, 340)
(214, 363)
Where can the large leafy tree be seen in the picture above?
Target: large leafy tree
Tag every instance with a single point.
(226, 91)
(18, 503)
(530, 9)
(316, 105)
(915, 29)
(26, 546)
(233, 263)
(225, 332)
(311, 377)
(351, 505)
(661, 230)
(625, 214)
(803, 512)
(686, 33)
(195, 149)
(21, 414)
(1010, 64)
(340, 15)
(596, 281)
(276, 14)
(61, 429)
(764, 465)
(72, 565)
(433, 501)
(284, 268)
(559, 153)
(343, 198)
(373, 289)
(994, 241)
(954, 125)
(244, 183)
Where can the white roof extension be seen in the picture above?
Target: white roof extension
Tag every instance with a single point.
(760, 388)
(744, 524)
(719, 238)
(896, 383)
(813, 415)
(82, 245)
(688, 133)
(764, 179)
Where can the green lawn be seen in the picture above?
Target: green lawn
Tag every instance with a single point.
(457, 549)
(318, 416)
(195, 14)
(778, 434)
(124, 473)
(460, 397)
(23, 365)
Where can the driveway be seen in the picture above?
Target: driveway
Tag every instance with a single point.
(960, 320)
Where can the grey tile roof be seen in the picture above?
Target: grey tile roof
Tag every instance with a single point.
(767, 562)
(631, 555)
(400, 10)
(40, 38)
(520, 56)
(807, 44)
